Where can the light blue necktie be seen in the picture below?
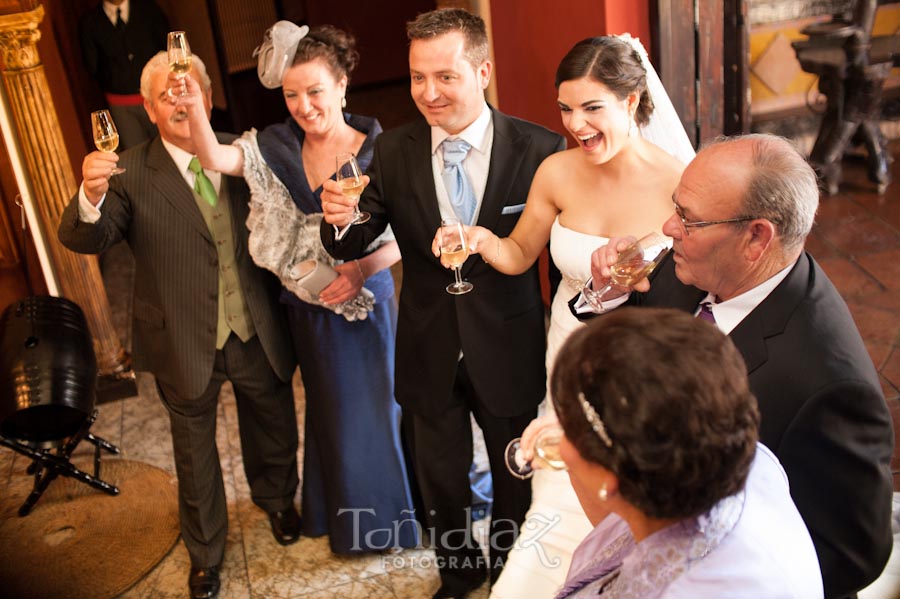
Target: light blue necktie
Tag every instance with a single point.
(459, 188)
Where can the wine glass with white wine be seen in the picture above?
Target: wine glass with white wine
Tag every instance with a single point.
(454, 251)
(349, 177)
(546, 453)
(635, 262)
(106, 137)
(180, 57)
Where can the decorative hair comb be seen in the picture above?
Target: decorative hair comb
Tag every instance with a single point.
(594, 419)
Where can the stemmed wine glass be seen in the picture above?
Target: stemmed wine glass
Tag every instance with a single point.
(179, 55)
(455, 250)
(106, 137)
(349, 177)
(634, 263)
(546, 449)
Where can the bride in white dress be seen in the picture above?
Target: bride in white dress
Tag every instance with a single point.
(614, 183)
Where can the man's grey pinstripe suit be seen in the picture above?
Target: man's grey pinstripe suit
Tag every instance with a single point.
(152, 208)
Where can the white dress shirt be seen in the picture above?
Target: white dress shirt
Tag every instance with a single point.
(730, 313)
(110, 9)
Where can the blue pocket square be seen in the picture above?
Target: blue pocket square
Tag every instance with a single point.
(514, 209)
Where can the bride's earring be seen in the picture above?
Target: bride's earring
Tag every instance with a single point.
(603, 493)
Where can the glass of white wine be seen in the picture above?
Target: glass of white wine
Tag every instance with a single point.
(106, 137)
(635, 262)
(180, 56)
(454, 251)
(546, 453)
(349, 177)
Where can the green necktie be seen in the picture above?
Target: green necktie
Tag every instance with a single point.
(202, 184)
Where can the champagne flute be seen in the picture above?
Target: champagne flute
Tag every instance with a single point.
(634, 263)
(179, 55)
(349, 177)
(455, 250)
(106, 137)
(546, 450)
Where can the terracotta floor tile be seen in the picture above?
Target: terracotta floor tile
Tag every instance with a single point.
(850, 280)
(875, 324)
(835, 211)
(883, 266)
(890, 368)
(859, 235)
(818, 247)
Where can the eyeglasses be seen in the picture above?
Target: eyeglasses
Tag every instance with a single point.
(699, 224)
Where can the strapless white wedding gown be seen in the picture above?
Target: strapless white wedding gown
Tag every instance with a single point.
(555, 523)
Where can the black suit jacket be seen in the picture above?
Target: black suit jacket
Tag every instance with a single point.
(823, 414)
(500, 325)
(176, 269)
(116, 58)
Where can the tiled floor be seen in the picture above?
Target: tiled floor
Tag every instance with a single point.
(856, 239)
(255, 566)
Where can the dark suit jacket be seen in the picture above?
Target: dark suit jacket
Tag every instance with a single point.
(176, 269)
(500, 325)
(116, 58)
(823, 414)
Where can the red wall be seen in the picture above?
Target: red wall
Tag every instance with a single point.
(532, 36)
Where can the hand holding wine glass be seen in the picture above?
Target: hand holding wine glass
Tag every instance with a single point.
(633, 264)
(180, 57)
(546, 453)
(454, 251)
(106, 137)
(349, 177)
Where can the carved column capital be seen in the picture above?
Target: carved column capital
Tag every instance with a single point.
(19, 35)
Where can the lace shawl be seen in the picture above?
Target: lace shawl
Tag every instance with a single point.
(282, 236)
(622, 569)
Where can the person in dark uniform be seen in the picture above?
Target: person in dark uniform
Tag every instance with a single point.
(118, 37)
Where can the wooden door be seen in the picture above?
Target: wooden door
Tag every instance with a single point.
(700, 50)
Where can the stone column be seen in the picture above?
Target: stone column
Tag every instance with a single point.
(46, 162)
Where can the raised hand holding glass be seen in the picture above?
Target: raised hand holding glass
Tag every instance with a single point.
(106, 137)
(180, 57)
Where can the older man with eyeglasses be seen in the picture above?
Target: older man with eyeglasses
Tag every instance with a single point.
(743, 209)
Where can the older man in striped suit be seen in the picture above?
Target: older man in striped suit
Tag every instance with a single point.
(203, 313)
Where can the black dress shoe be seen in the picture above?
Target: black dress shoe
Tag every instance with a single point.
(286, 525)
(204, 582)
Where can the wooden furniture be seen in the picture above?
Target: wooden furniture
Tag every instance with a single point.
(852, 67)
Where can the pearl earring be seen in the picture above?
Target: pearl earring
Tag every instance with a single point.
(603, 494)
(344, 102)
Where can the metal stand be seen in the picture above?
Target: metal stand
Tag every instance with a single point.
(46, 466)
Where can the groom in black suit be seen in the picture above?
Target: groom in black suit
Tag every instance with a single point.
(743, 209)
(481, 353)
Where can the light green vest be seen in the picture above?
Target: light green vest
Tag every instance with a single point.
(233, 312)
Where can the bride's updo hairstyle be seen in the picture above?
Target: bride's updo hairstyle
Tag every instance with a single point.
(612, 62)
(336, 47)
